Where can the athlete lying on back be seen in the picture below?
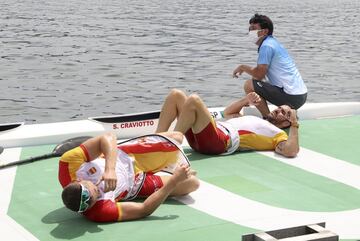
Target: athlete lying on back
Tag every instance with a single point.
(237, 133)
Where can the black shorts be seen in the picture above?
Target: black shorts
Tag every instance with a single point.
(277, 96)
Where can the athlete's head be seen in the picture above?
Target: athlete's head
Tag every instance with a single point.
(280, 117)
(80, 195)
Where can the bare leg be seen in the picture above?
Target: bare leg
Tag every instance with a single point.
(262, 105)
(194, 115)
(171, 109)
(176, 135)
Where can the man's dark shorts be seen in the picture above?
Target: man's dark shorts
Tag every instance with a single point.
(277, 96)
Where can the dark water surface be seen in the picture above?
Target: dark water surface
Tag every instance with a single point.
(66, 60)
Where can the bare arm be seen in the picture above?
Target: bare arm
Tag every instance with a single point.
(134, 210)
(290, 147)
(233, 110)
(104, 144)
(257, 72)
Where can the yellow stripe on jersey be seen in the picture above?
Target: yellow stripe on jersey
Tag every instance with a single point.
(118, 205)
(75, 158)
(258, 142)
(154, 161)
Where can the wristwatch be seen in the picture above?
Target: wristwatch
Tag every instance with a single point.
(296, 125)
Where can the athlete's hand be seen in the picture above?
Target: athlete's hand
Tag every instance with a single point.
(293, 116)
(253, 98)
(110, 180)
(181, 173)
(290, 114)
(193, 172)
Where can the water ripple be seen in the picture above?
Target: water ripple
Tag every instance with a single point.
(62, 62)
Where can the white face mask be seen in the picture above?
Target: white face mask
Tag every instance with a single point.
(253, 36)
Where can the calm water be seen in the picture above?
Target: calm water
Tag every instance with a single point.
(65, 60)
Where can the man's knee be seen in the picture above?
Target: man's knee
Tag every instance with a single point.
(189, 185)
(248, 86)
(195, 183)
(193, 101)
(176, 96)
(176, 93)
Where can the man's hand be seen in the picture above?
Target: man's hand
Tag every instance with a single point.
(253, 98)
(181, 173)
(238, 71)
(290, 147)
(293, 117)
(290, 114)
(110, 180)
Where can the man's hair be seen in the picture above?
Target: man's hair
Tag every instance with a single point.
(71, 196)
(263, 21)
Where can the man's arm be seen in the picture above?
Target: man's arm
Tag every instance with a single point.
(104, 144)
(233, 110)
(290, 147)
(134, 210)
(257, 72)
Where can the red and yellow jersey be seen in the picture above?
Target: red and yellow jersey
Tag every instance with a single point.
(105, 209)
(69, 163)
(136, 157)
(253, 133)
(151, 153)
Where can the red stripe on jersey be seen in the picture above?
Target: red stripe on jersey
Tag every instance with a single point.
(85, 152)
(244, 132)
(141, 148)
(64, 174)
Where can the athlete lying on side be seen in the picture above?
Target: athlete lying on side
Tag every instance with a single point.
(100, 177)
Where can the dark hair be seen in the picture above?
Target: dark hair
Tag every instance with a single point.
(71, 196)
(264, 21)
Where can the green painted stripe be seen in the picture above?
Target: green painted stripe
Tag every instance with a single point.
(266, 180)
(338, 138)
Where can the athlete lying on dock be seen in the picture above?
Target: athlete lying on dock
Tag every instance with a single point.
(100, 177)
(207, 136)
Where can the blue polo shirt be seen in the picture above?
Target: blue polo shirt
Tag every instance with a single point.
(282, 71)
